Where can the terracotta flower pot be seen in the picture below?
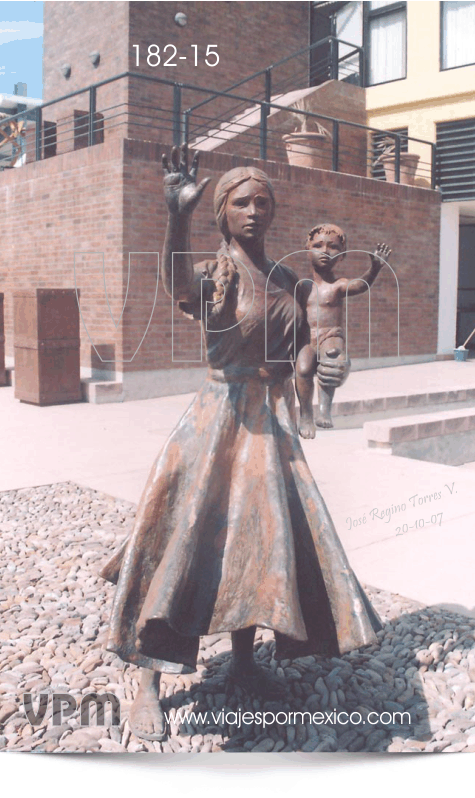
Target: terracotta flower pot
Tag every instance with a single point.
(407, 168)
(308, 149)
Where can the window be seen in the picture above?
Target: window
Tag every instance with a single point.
(385, 41)
(344, 21)
(348, 26)
(457, 26)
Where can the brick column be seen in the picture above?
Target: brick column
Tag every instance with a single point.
(73, 131)
(48, 142)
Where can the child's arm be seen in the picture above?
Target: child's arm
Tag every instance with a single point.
(357, 286)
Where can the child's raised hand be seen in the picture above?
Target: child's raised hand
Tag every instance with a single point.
(380, 254)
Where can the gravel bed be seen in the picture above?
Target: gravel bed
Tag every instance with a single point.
(53, 628)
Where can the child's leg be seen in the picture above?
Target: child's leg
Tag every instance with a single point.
(323, 418)
(333, 350)
(304, 373)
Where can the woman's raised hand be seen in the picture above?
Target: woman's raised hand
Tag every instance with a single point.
(181, 192)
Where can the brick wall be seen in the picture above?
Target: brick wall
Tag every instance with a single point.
(109, 199)
(72, 30)
(53, 208)
(249, 37)
(369, 211)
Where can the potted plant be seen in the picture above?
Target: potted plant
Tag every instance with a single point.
(407, 162)
(308, 145)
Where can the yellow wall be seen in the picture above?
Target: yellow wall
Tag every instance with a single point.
(427, 95)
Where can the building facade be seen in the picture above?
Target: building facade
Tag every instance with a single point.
(91, 187)
(420, 79)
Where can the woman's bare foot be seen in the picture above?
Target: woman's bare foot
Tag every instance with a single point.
(146, 719)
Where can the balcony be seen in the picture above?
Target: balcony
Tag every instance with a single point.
(256, 118)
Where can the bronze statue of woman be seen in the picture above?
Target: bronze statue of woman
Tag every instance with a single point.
(231, 532)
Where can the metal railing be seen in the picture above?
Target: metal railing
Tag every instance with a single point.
(348, 147)
(307, 72)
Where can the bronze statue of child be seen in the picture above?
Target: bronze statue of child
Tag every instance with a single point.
(326, 244)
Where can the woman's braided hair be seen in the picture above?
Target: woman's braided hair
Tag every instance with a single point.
(226, 271)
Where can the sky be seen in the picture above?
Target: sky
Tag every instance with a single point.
(21, 46)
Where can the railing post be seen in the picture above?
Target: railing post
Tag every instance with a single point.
(92, 116)
(176, 124)
(361, 67)
(397, 162)
(186, 126)
(38, 133)
(335, 145)
(268, 88)
(433, 166)
(263, 132)
(333, 59)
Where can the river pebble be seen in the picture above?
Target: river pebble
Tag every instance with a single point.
(413, 691)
